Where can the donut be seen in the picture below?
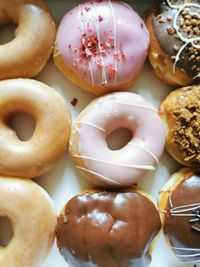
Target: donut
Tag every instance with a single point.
(32, 216)
(180, 112)
(26, 55)
(126, 166)
(179, 202)
(101, 46)
(102, 228)
(175, 41)
(52, 127)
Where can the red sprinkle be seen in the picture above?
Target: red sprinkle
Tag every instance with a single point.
(69, 45)
(100, 18)
(111, 71)
(142, 26)
(87, 8)
(74, 101)
(115, 55)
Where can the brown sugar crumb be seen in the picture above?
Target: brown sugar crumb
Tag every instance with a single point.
(186, 111)
(74, 101)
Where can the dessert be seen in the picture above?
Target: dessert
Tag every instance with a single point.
(180, 112)
(108, 229)
(26, 55)
(179, 202)
(175, 41)
(126, 166)
(101, 46)
(52, 127)
(32, 216)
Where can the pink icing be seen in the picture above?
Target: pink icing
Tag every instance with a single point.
(128, 165)
(103, 41)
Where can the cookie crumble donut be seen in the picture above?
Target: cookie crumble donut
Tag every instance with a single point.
(33, 219)
(26, 55)
(102, 228)
(124, 167)
(180, 112)
(101, 46)
(52, 127)
(175, 41)
(179, 202)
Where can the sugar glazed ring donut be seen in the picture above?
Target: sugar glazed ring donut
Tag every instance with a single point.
(179, 202)
(26, 55)
(101, 46)
(52, 127)
(175, 41)
(102, 228)
(123, 167)
(32, 216)
(180, 112)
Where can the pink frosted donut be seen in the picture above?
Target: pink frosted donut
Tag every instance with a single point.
(126, 166)
(101, 46)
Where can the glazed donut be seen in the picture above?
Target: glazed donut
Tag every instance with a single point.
(123, 167)
(31, 213)
(108, 229)
(179, 202)
(175, 41)
(180, 112)
(52, 127)
(101, 46)
(26, 55)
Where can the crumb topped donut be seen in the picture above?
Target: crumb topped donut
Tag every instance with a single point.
(52, 127)
(126, 166)
(101, 46)
(175, 41)
(181, 114)
(179, 202)
(108, 229)
(33, 219)
(26, 55)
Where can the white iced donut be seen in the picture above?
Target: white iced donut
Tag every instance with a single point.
(124, 167)
(32, 216)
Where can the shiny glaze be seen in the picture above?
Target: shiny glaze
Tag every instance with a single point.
(118, 36)
(128, 165)
(184, 239)
(107, 229)
(168, 41)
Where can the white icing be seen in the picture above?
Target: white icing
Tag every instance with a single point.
(129, 164)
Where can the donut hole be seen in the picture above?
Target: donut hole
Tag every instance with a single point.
(7, 33)
(6, 231)
(119, 138)
(23, 125)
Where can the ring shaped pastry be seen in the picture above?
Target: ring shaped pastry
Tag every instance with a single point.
(175, 41)
(180, 113)
(52, 126)
(123, 167)
(179, 203)
(102, 228)
(101, 46)
(26, 55)
(32, 216)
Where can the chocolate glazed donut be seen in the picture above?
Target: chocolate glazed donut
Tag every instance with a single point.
(175, 41)
(180, 201)
(108, 229)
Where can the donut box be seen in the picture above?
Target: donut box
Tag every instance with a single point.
(66, 179)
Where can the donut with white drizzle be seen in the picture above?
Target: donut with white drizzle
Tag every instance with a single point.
(101, 46)
(126, 166)
(175, 41)
(179, 204)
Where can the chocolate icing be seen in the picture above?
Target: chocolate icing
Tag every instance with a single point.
(179, 229)
(163, 17)
(107, 229)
